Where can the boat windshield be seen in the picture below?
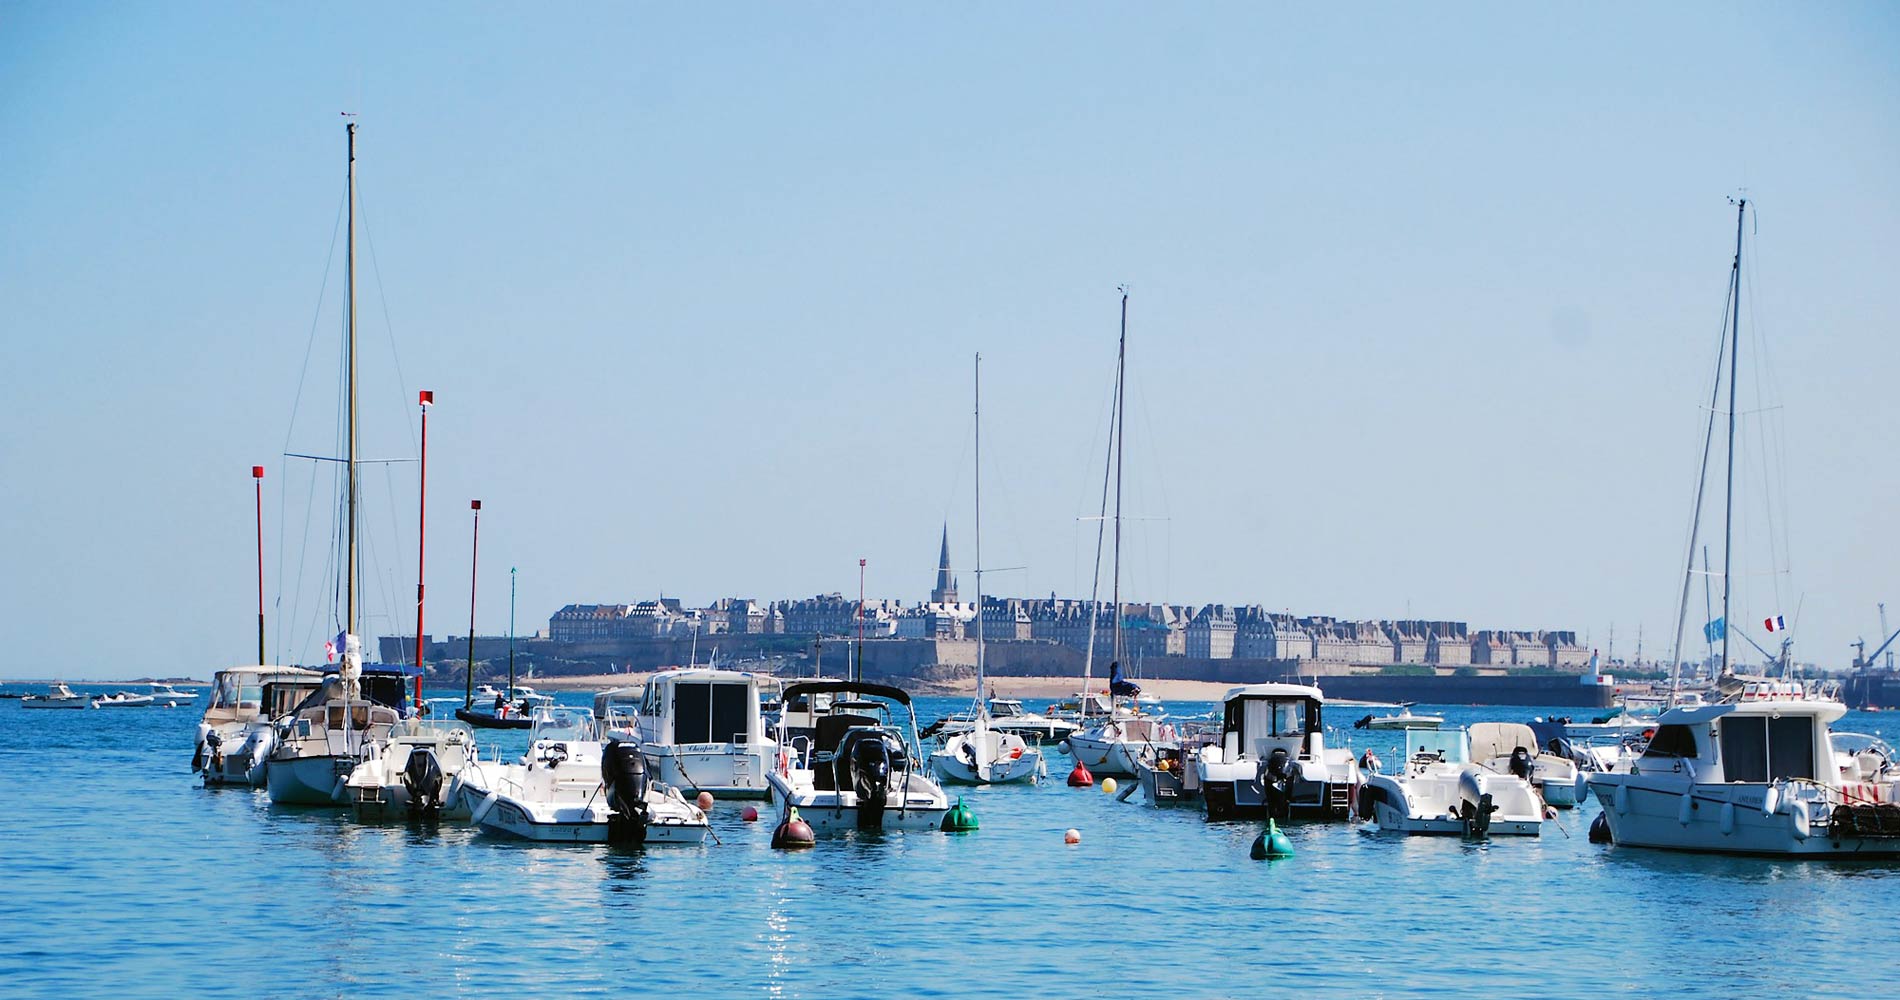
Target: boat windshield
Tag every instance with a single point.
(563, 722)
(1673, 740)
(1001, 708)
(1447, 745)
(237, 691)
(1255, 718)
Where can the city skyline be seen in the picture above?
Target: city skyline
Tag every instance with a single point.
(1423, 315)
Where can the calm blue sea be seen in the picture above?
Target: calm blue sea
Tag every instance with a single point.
(124, 878)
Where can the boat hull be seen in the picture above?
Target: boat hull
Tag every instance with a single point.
(578, 826)
(737, 773)
(832, 812)
(308, 781)
(1724, 819)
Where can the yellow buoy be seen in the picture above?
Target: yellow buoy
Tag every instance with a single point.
(1108, 785)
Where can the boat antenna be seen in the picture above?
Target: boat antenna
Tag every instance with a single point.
(1735, 342)
(424, 399)
(511, 635)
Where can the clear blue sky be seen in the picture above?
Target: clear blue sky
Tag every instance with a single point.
(1425, 304)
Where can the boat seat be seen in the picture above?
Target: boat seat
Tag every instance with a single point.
(831, 729)
(1491, 740)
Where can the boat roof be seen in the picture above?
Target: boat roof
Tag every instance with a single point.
(1826, 711)
(701, 674)
(266, 668)
(860, 687)
(1274, 691)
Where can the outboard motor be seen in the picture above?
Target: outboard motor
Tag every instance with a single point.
(623, 769)
(1600, 830)
(1365, 723)
(214, 742)
(1278, 773)
(422, 778)
(870, 764)
(1521, 763)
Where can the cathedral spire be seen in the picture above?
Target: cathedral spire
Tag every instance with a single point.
(946, 590)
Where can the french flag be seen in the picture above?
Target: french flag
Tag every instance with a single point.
(1775, 624)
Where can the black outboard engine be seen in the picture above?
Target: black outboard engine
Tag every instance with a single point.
(1521, 763)
(869, 761)
(623, 769)
(1365, 723)
(213, 742)
(1278, 773)
(422, 778)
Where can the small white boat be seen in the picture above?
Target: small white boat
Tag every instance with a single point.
(1009, 716)
(331, 732)
(410, 774)
(166, 696)
(1438, 790)
(1116, 746)
(572, 787)
(844, 763)
(56, 696)
(1169, 775)
(1402, 719)
(122, 699)
(984, 755)
(1273, 759)
(1511, 748)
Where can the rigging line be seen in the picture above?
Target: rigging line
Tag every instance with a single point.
(316, 318)
(296, 608)
(389, 328)
(1702, 480)
(1770, 437)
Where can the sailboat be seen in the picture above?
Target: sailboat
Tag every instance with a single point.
(330, 732)
(1759, 771)
(1117, 743)
(984, 754)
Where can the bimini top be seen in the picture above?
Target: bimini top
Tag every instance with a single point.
(860, 687)
(1274, 691)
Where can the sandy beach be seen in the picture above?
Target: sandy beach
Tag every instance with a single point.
(1024, 688)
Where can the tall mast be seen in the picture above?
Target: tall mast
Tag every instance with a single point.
(1121, 421)
(474, 550)
(978, 396)
(1734, 345)
(349, 271)
(511, 635)
(423, 399)
(257, 481)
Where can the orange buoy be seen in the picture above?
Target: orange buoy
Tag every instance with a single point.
(1072, 836)
(750, 815)
(704, 801)
(1080, 777)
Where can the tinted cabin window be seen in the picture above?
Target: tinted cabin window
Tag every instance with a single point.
(1745, 749)
(692, 713)
(729, 704)
(1672, 741)
(1791, 747)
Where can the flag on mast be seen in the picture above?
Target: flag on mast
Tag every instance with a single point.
(1715, 629)
(1775, 624)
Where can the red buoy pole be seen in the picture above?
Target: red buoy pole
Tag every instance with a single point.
(257, 479)
(423, 398)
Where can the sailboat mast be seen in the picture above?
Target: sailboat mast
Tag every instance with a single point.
(511, 635)
(1121, 421)
(349, 271)
(1728, 517)
(978, 396)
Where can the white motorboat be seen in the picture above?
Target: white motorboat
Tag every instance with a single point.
(844, 762)
(533, 699)
(573, 787)
(122, 699)
(166, 696)
(700, 728)
(1759, 774)
(235, 735)
(1511, 748)
(1618, 724)
(1273, 759)
(1438, 790)
(1168, 776)
(320, 743)
(409, 775)
(56, 696)
(1402, 719)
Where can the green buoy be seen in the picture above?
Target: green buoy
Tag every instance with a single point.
(960, 819)
(1272, 843)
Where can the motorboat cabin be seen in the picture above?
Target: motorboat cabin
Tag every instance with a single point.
(235, 735)
(701, 730)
